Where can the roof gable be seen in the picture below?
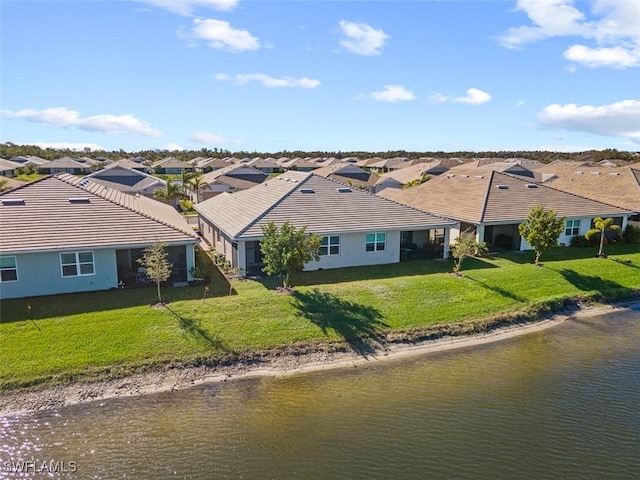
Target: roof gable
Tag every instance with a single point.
(323, 205)
(64, 211)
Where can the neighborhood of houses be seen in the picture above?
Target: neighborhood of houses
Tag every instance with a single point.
(85, 223)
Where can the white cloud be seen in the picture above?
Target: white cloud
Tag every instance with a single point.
(473, 97)
(614, 27)
(393, 93)
(64, 117)
(620, 119)
(616, 57)
(171, 147)
(437, 97)
(268, 81)
(221, 35)
(67, 145)
(207, 138)
(517, 104)
(361, 38)
(186, 7)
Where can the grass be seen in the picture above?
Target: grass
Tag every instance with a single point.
(112, 333)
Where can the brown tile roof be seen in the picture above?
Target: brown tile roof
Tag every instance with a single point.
(63, 211)
(494, 197)
(323, 205)
(618, 186)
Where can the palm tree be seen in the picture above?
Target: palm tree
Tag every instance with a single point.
(195, 184)
(170, 193)
(600, 227)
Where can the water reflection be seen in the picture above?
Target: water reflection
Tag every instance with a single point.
(562, 403)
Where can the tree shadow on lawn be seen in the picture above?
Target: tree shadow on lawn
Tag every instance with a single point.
(194, 328)
(374, 272)
(587, 283)
(499, 290)
(359, 325)
(37, 308)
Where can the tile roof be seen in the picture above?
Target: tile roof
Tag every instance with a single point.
(64, 211)
(494, 197)
(618, 186)
(323, 205)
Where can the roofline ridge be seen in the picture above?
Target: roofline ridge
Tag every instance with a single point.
(277, 202)
(15, 189)
(76, 181)
(486, 196)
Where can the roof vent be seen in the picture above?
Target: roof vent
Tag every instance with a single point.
(12, 201)
(307, 190)
(84, 182)
(343, 189)
(478, 176)
(531, 185)
(79, 200)
(464, 176)
(614, 173)
(595, 173)
(502, 187)
(579, 172)
(450, 175)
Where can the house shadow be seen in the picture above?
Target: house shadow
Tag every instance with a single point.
(555, 254)
(194, 328)
(374, 272)
(360, 326)
(589, 283)
(67, 304)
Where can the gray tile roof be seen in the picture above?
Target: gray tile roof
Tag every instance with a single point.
(323, 205)
(491, 196)
(97, 217)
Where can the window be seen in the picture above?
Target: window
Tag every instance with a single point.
(572, 227)
(330, 245)
(76, 264)
(8, 269)
(375, 242)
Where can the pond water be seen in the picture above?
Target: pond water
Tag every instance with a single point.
(563, 403)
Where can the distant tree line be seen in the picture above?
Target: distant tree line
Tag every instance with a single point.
(9, 150)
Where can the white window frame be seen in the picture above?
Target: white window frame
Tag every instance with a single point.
(572, 226)
(330, 245)
(3, 269)
(376, 242)
(77, 264)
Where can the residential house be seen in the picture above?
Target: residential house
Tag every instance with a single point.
(231, 178)
(619, 186)
(348, 174)
(9, 168)
(134, 165)
(11, 182)
(416, 172)
(65, 165)
(30, 161)
(357, 227)
(64, 234)
(493, 204)
(172, 166)
(127, 180)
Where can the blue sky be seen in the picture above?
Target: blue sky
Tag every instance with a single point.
(267, 76)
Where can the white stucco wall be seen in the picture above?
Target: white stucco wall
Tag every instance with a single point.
(41, 274)
(354, 254)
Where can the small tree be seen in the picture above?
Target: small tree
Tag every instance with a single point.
(158, 268)
(541, 230)
(601, 226)
(465, 246)
(287, 249)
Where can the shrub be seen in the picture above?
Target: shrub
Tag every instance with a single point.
(631, 234)
(579, 241)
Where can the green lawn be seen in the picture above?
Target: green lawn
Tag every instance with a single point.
(117, 332)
